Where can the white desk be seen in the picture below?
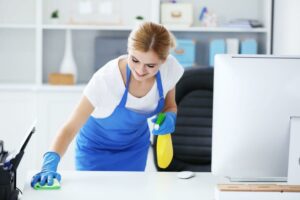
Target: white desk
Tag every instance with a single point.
(221, 195)
(257, 195)
(82, 185)
(78, 185)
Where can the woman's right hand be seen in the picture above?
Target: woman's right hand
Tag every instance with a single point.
(48, 172)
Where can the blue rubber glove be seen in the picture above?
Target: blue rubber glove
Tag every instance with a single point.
(48, 173)
(167, 126)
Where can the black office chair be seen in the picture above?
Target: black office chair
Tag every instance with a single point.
(192, 136)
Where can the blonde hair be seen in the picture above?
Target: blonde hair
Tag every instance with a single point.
(151, 36)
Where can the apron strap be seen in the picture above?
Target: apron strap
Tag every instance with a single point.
(161, 101)
(159, 85)
(124, 98)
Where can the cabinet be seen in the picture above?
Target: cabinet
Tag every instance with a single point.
(20, 106)
(17, 112)
(287, 16)
(53, 109)
(32, 47)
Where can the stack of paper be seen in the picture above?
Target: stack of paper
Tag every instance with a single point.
(243, 23)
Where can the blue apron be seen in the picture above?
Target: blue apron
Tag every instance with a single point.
(119, 142)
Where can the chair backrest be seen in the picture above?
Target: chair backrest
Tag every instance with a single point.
(193, 133)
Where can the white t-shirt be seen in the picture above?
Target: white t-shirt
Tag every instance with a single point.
(106, 88)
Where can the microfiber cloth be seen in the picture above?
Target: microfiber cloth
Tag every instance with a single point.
(55, 186)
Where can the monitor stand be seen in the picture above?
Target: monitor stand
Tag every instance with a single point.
(293, 177)
(258, 179)
(294, 152)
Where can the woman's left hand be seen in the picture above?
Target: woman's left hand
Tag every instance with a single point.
(167, 126)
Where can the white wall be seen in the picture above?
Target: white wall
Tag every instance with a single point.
(287, 27)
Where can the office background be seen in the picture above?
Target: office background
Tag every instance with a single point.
(32, 47)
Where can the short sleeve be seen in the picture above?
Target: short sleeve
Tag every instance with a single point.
(95, 89)
(171, 73)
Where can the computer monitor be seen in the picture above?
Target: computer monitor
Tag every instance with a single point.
(254, 98)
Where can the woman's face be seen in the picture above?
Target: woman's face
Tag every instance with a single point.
(143, 65)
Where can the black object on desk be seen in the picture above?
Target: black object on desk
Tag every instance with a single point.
(8, 169)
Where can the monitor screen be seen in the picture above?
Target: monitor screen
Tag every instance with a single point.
(254, 98)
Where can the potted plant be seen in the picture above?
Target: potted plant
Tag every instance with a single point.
(55, 17)
(139, 19)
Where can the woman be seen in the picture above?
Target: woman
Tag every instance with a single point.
(111, 118)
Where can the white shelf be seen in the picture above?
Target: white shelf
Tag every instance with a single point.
(60, 88)
(17, 26)
(33, 46)
(87, 27)
(218, 29)
(17, 87)
(175, 29)
(42, 88)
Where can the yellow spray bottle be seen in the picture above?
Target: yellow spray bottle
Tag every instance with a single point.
(164, 146)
